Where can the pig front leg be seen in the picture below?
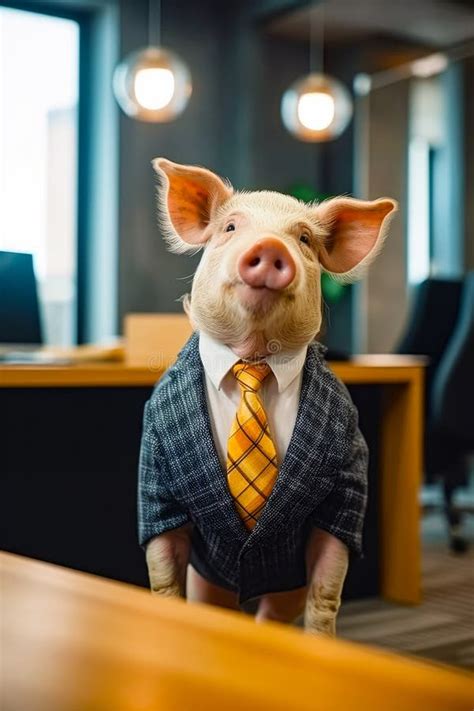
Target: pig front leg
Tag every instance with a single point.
(167, 558)
(327, 560)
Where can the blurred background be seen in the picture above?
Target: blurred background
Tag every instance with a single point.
(77, 192)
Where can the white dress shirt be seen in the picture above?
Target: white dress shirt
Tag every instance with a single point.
(280, 393)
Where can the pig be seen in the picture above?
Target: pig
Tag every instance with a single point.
(256, 291)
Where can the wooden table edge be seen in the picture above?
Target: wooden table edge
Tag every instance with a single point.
(120, 375)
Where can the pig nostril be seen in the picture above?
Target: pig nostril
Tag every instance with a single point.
(278, 264)
(254, 262)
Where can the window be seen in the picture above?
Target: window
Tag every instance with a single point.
(419, 211)
(39, 74)
(435, 177)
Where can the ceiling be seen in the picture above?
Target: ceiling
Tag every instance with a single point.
(430, 23)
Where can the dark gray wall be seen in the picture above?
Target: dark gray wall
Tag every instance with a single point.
(150, 279)
(337, 178)
(385, 305)
(276, 159)
(231, 125)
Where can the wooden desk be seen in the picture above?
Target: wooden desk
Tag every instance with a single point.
(401, 443)
(362, 369)
(73, 642)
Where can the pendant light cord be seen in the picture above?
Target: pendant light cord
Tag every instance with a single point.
(154, 23)
(316, 38)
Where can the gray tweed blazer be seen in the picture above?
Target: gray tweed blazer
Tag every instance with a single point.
(322, 480)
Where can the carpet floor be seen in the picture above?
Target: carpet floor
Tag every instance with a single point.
(442, 627)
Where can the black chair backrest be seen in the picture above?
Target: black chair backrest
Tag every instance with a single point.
(453, 383)
(19, 308)
(433, 316)
(431, 323)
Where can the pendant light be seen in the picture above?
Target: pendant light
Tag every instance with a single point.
(152, 84)
(316, 107)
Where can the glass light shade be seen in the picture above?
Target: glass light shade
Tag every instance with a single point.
(316, 108)
(152, 84)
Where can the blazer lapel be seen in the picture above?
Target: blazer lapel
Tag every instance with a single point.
(208, 475)
(303, 480)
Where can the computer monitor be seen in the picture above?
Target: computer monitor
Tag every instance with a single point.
(19, 308)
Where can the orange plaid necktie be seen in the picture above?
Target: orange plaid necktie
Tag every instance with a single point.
(251, 455)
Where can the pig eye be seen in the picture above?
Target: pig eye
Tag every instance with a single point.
(230, 227)
(304, 238)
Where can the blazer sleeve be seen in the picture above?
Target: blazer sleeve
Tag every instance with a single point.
(157, 510)
(342, 512)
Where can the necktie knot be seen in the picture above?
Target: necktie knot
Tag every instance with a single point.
(250, 376)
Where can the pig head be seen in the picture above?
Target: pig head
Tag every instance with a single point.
(257, 289)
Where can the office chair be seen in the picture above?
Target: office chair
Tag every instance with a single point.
(450, 423)
(431, 324)
(430, 329)
(19, 307)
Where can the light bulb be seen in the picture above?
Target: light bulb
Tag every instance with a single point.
(154, 88)
(152, 84)
(316, 110)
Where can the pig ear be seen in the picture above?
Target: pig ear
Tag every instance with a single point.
(356, 231)
(188, 198)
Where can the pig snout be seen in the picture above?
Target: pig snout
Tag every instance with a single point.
(267, 263)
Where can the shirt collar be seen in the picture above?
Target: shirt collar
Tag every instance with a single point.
(218, 359)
